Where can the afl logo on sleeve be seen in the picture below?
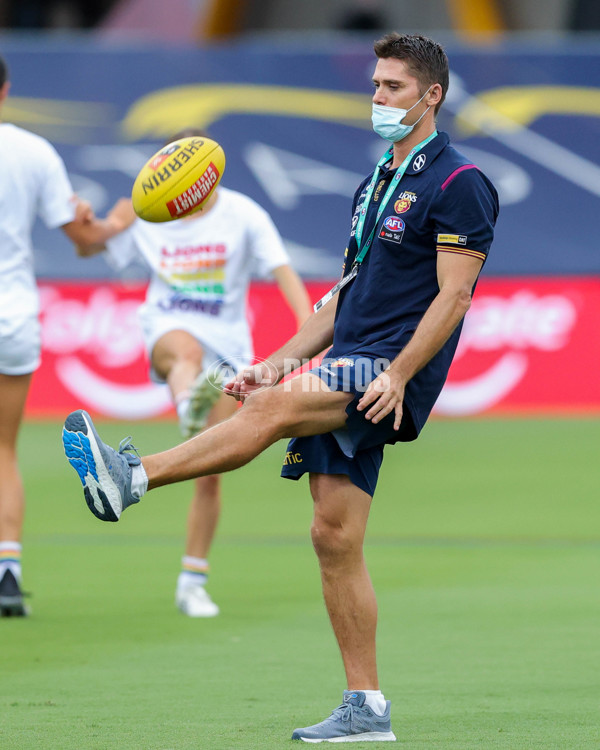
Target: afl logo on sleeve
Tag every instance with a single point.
(392, 229)
(419, 162)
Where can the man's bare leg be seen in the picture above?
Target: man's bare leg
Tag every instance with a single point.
(112, 481)
(177, 357)
(13, 394)
(304, 406)
(341, 511)
(205, 508)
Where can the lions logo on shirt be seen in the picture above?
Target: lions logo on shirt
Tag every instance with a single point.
(404, 202)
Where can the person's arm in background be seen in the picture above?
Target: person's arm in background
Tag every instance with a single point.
(294, 291)
(89, 234)
(315, 336)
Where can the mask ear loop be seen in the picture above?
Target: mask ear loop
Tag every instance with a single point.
(415, 104)
(420, 118)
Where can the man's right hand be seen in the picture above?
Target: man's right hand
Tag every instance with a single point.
(252, 379)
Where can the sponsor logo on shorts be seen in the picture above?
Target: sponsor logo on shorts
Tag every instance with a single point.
(452, 239)
(292, 458)
(342, 362)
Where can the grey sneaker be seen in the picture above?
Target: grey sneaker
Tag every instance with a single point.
(104, 472)
(206, 390)
(353, 721)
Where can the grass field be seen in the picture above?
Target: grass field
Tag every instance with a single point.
(484, 548)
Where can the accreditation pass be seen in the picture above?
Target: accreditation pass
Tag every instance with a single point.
(334, 290)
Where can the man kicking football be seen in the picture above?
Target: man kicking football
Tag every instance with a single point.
(422, 227)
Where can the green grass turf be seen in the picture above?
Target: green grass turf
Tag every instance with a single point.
(484, 547)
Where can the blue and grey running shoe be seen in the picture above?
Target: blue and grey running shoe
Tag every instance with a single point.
(353, 721)
(104, 472)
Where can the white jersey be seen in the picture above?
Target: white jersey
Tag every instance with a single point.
(201, 268)
(33, 182)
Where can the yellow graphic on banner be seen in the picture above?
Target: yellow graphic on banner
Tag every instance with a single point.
(161, 113)
(58, 120)
(510, 108)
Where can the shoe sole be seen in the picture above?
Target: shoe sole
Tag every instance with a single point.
(182, 606)
(80, 441)
(196, 615)
(364, 737)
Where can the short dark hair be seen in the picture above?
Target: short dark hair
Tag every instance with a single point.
(3, 72)
(188, 133)
(425, 59)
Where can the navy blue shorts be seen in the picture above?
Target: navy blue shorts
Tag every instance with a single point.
(356, 450)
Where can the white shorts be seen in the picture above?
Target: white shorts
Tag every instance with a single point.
(155, 325)
(20, 347)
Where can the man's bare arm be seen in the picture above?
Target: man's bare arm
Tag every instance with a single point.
(294, 291)
(314, 336)
(89, 234)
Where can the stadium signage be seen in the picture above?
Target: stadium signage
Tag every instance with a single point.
(528, 345)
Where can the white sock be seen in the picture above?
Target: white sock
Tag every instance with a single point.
(139, 481)
(10, 559)
(194, 570)
(375, 700)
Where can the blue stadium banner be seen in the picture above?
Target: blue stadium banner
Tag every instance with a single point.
(294, 120)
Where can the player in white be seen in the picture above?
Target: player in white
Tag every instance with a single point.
(33, 182)
(194, 317)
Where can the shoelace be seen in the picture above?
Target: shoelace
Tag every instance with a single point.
(125, 445)
(345, 712)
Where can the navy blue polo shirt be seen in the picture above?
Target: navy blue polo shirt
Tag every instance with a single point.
(443, 203)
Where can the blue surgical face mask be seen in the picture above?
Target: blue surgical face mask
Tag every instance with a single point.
(387, 121)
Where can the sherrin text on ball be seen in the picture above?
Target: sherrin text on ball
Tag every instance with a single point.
(178, 179)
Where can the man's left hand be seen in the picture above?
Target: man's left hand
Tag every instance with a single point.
(384, 394)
